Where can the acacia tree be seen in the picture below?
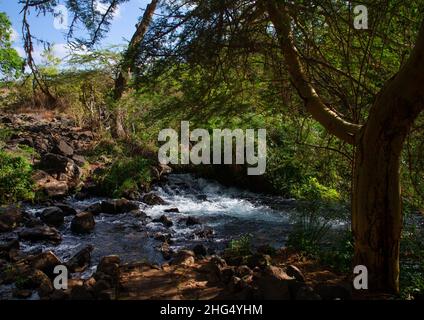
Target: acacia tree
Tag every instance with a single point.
(350, 100)
(84, 14)
(97, 23)
(376, 202)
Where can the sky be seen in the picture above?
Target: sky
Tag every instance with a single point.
(44, 27)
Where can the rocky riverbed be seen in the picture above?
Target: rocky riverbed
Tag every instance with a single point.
(169, 241)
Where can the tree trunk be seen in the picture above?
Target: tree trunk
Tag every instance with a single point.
(127, 67)
(376, 208)
(376, 200)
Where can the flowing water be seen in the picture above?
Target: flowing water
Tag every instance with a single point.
(229, 212)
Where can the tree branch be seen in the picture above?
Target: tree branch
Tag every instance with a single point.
(341, 128)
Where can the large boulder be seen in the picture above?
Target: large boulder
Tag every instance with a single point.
(42, 283)
(56, 164)
(62, 148)
(272, 283)
(83, 222)
(45, 262)
(66, 209)
(49, 185)
(81, 260)
(61, 168)
(40, 233)
(183, 257)
(10, 217)
(164, 220)
(108, 270)
(52, 216)
(113, 207)
(152, 199)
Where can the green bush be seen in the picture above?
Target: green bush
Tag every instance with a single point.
(125, 175)
(15, 178)
(340, 254)
(239, 247)
(313, 190)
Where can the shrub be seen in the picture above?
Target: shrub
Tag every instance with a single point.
(313, 190)
(15, 178)
(239, 247)
(125, 175)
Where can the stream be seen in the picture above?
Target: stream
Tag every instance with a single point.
(229, 212)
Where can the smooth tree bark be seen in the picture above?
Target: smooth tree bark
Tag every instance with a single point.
(376, 194)
(127, 67)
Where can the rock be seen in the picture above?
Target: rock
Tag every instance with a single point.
(42, 233)
(200, 250)
(226, 274)
(119, 206)
(54, 163)
(242, 271)
(81, 260)
(171, 210)
(162, 237)
(214, 268)
(10, 217)
(83, 222)
(113, 207)
(42, 282)
(63, 148)
(86, 135)
(22, 293)
(26, 142)
(52, 216)
(67, 210)
(30, 221)
(272, 283)
(45, 262)
(109, 265)
(151, 199)
(202, 197)
(139, 214)
(95, 208)
(259, 260)
(306, 293)
(164, 220)
(293, 271)
(166, 251)
(191, 221)
(206, 232)
(6, 119)
(49, 185)
(334, 291)
(81, 293)
(8, 247)
(183, 257)
(79, 160)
